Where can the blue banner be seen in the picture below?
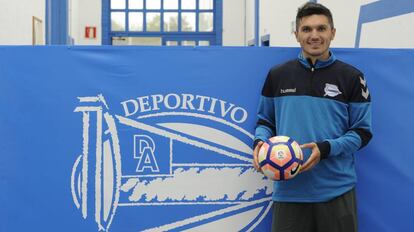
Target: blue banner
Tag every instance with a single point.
(159, 139)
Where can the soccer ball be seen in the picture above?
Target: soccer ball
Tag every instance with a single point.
(280, 158)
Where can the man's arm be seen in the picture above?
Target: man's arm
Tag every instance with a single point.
(360, 131)
(358, 135)
(265, 127)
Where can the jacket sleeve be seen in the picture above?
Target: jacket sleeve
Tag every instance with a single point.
(265, 127)
(360, 132)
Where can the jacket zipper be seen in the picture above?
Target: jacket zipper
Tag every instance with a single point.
(312, 69)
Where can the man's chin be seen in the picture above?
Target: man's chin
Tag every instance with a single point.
(315, 52)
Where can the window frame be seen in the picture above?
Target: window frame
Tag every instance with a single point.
(214, 37)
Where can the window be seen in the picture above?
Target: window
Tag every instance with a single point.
(164, 22)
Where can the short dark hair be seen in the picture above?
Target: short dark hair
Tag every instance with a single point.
(312, 8)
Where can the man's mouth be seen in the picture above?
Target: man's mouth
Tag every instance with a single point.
(315, 44)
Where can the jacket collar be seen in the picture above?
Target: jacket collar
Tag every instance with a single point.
(319, 63)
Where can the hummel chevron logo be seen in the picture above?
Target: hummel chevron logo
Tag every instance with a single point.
(363, 82)
(364, 93)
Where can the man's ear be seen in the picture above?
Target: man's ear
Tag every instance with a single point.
(333, 33)
(296, 35)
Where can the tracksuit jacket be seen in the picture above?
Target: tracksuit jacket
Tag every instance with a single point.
(327, 103)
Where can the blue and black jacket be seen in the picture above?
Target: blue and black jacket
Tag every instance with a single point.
(327, 103)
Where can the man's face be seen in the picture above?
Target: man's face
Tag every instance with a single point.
(314, 35)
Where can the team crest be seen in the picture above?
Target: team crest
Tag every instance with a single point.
(331, 90)
(184, 154)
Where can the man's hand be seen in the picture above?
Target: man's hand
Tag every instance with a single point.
(255, 156)
(314, 157)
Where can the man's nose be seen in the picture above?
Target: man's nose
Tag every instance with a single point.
(314, 34)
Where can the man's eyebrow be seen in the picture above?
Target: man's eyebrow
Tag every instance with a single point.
(320, 25)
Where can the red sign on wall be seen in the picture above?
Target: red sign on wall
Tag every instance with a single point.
(90, 32)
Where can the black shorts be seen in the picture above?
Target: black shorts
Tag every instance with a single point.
(336, 215)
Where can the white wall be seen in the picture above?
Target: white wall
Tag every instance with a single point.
(234, 22)
(250, 21)
(82, 14)
(16, 20)
(276, 17)
(399, 33)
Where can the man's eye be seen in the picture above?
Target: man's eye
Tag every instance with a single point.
(322, 29)
(306, 29)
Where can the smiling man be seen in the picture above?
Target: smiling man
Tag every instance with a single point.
(324, 104)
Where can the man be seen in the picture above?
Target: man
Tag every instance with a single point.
(324, 104)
